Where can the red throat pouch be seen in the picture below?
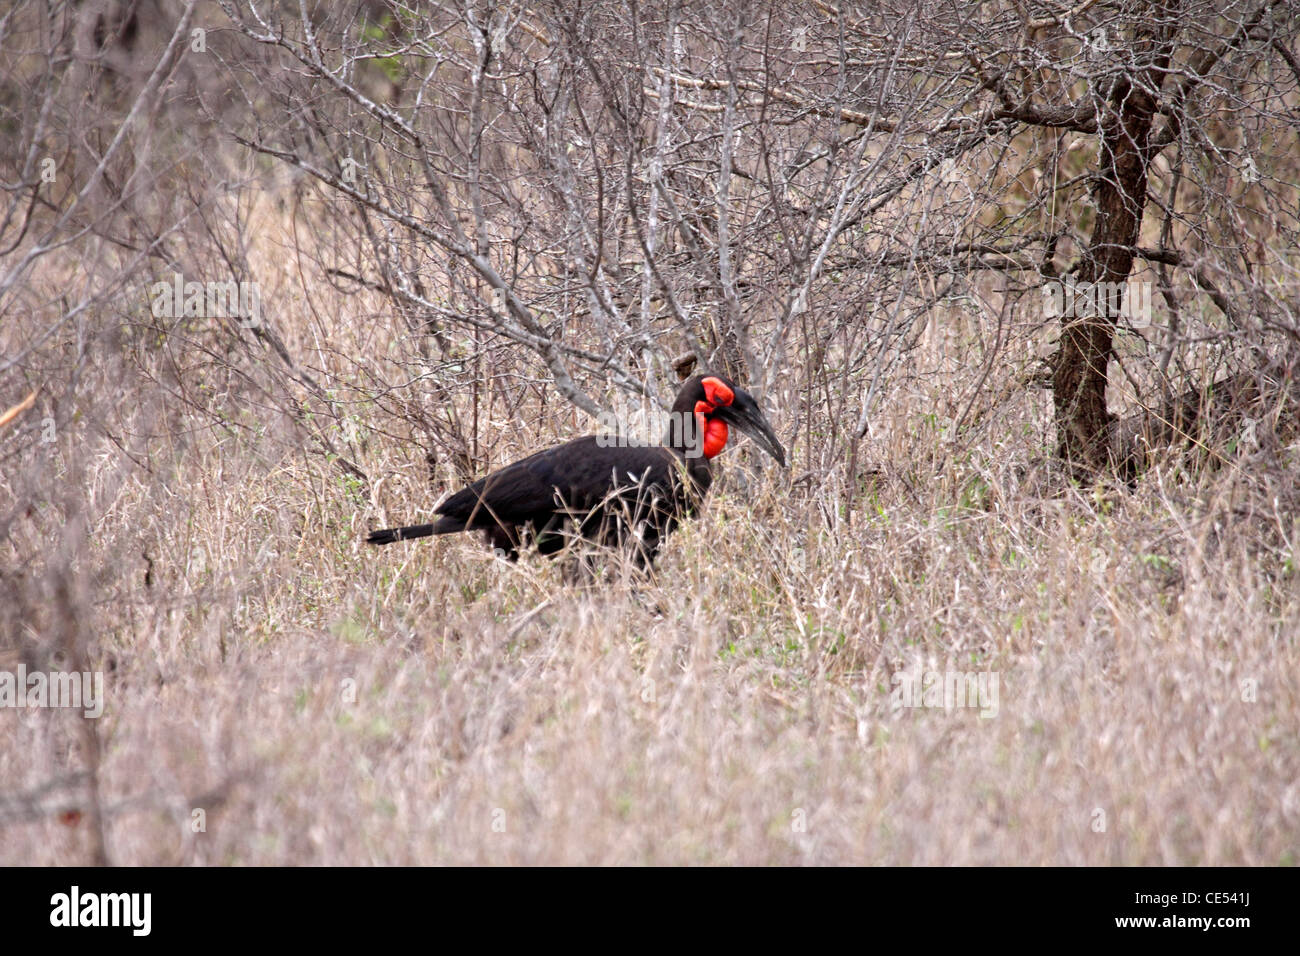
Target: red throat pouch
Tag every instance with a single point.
(715, 437)
(714, 431)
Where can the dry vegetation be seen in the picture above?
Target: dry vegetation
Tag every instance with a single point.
(737, 709)
(194, 530)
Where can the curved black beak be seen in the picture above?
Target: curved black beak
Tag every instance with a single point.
(745, 414)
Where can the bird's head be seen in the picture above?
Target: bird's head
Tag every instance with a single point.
(705, 408)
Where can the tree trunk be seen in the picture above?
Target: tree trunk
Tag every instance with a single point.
(1079, 377)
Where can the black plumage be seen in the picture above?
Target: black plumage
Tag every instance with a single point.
(600, 490)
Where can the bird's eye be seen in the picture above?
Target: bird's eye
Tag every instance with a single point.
(717, 391)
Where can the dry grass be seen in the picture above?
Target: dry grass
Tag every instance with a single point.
(326, 703)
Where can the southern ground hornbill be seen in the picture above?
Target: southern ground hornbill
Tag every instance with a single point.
(601, 488)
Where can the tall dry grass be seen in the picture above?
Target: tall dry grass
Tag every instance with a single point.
(322, 702)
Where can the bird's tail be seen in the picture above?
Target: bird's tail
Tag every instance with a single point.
(389, 535)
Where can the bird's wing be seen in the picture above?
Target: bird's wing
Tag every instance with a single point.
(583, 471)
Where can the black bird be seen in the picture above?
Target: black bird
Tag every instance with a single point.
(606, 490)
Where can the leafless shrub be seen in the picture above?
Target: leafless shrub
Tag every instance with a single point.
(468, 228)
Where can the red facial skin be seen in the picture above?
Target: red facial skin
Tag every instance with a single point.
(717, 392)
(715, 432)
